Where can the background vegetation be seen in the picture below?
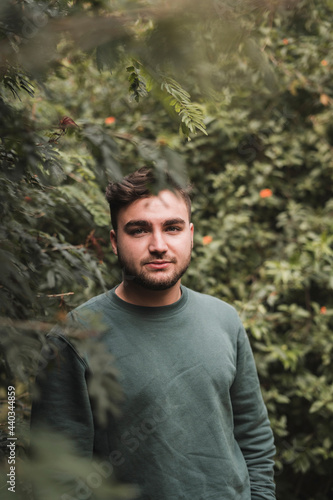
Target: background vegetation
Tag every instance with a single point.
(241, 94)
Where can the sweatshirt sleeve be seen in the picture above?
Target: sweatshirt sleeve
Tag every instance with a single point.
(252, 428)
(62, 402)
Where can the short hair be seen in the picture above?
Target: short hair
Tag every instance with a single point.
(142, 183)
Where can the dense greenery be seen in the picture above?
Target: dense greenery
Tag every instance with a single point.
(256, 78)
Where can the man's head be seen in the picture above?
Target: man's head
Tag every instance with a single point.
(140, 184)
(152, 234)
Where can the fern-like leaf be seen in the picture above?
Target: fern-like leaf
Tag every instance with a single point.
(190, 113)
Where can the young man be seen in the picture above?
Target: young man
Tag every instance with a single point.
(193, 424)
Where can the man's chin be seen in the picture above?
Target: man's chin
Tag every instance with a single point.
(157, 280)
(156, 285)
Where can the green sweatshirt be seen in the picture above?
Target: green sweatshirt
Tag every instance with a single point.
(193, 425)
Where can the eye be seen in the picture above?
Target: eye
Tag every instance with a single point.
(173, 229)
(138, 231)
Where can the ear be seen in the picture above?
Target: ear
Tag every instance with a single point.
(113, 239)
(192, 231)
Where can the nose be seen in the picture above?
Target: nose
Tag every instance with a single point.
(157, 243)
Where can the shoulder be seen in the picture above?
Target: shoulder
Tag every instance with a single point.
(90, 314)
(213, 306)
(87, 317)
(59, 345)
(95, 303)
(210, 301)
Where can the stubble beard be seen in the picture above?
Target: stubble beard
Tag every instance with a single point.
(153, 280)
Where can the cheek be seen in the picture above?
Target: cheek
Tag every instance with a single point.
(130, 249)
(183, 246)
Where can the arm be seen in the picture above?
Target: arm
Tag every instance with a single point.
(62, 403)
(252, 429)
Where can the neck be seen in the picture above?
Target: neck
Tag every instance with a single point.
(135, 294)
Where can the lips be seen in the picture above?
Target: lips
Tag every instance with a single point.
(158, 264)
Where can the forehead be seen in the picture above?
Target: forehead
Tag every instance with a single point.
(165, 205)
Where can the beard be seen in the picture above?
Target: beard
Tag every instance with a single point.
(152, 280)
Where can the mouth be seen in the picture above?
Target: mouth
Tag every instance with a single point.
(158, 264)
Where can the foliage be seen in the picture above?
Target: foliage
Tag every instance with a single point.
(262, 177)
(190, 114)
(264, 215)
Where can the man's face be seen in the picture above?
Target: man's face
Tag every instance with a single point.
(154, 240)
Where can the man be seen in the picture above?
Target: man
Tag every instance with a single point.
(193, 424)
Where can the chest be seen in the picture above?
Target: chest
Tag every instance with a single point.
(163, 366)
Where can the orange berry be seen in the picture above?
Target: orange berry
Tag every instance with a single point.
(324, 99)
(265, 193)
(206, 240)
(109, 120)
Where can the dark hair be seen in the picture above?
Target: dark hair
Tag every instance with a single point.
(140, 184)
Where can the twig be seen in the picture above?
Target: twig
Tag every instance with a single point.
(58, 294)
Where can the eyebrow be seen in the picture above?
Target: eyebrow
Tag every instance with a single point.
(145, 223)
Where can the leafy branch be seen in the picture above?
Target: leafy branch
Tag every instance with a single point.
(190, 113)
(138, 86)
